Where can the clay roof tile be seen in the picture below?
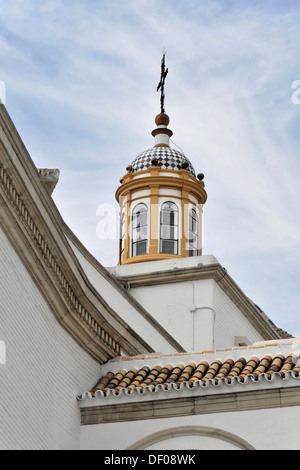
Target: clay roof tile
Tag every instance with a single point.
(192, 374)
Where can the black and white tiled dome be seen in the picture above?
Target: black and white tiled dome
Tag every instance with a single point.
(168, 158)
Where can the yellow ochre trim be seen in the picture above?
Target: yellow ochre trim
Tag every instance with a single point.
(155, 179)
(194, 187)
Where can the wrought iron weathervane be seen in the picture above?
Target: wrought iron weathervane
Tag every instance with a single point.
(161, 84)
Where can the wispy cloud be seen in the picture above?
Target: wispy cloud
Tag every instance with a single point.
(81, 80)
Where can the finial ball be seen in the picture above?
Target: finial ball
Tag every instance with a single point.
(162, 119)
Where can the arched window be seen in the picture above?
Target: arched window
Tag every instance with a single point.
(139, 230)
(169, 228)
(193, 233)
(122, 235)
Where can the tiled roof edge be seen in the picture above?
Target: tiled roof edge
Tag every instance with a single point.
(197, 384)
(262, 361)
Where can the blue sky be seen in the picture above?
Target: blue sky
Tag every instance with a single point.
(81, 81)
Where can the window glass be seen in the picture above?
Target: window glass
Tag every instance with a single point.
(122, 234)
(193, 233)
(169, 228)
(139, 230)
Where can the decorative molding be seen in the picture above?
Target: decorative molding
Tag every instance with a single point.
(49, 177)
(189, 406)
(161, 178)
(200, 431)
(53, 265)
(210, 271)
(36, 230)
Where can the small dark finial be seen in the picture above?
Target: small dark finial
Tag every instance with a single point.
(200, 176)
(154, 161)
(129, 168)
(185, 165)
(161, 84)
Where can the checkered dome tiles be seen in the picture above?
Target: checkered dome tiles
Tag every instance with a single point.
(168, 158)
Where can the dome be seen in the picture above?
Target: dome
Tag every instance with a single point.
(168, 158)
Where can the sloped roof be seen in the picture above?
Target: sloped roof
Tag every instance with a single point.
(283, 363)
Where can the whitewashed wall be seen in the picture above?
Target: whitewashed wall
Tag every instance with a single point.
(123, 307)
(269, 429)
(198, 314)
(45, 369)
(173, 306)
(230, 322)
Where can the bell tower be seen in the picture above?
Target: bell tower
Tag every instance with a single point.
(161, 200)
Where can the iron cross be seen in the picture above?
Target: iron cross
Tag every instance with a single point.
(161, 84)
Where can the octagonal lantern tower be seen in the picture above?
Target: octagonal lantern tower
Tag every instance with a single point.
(161, 202)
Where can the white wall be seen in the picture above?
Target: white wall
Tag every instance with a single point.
(173, 305)
(269, 429)
(45, 369)
(196, 313)
(123, 307)
(230, 321)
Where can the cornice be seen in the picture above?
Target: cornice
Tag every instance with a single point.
(210, 271)
(33, 225)
(201, 272)
(162, 179)
(42, 255)
(259, 399)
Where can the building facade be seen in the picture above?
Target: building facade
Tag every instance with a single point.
(166, 337)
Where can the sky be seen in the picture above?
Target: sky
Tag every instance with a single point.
(80, 80)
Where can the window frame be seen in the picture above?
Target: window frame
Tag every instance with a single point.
(122, 235)
(175, 226)
(193, 251)
(134, 242)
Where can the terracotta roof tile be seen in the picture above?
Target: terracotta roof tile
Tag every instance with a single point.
(193, 374)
